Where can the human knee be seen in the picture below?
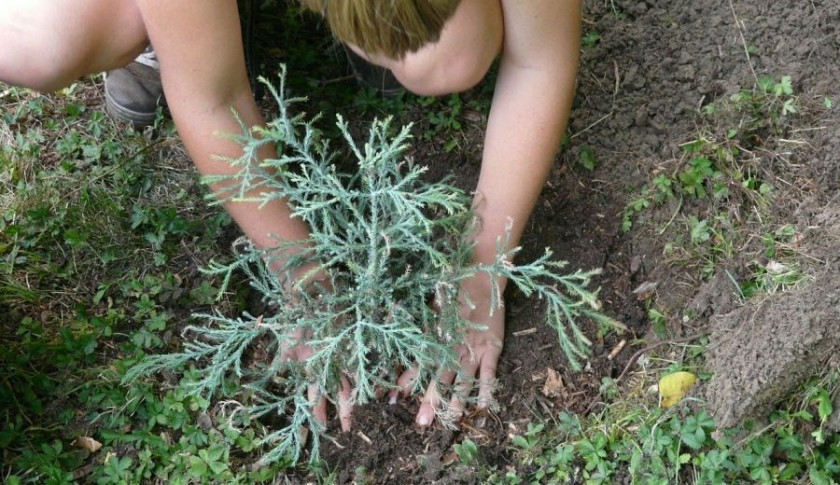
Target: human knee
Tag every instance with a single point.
(42, 68)
(47, 78)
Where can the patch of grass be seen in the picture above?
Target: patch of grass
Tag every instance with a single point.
(721, 200)
(633, 439)
(95, 268)
(720, 191)
(443, 116)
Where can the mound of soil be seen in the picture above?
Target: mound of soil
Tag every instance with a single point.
(640, 90)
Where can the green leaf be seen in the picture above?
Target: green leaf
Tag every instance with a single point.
(766, 83)
(700, 231)
(586, 157)
(197, 466)
(785, 85)
(694, 439)
(818, 477)
(824, 406)
(590, 38)
(788, 107)
(520, 442)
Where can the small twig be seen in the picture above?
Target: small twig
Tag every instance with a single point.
(679, 206)
(650, 347)
(743, 41)
(795, 142)
(364, 438)
(612, 108)
(617, 350)
(525, 332)
(591, 126)
(617, 81)
(341, 79)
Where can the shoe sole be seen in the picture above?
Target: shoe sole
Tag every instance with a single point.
(121, 113)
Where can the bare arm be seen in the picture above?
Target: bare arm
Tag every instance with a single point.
(199, 47)
(530, 109)
(528, 116)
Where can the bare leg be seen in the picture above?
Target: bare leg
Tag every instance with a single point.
(47, 44)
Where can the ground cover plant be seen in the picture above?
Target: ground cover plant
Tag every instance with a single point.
(701, 104)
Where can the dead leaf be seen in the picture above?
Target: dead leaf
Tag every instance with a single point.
(88, 443)
(673, 387)
(553, 386)
(449, 458)
(645, 290)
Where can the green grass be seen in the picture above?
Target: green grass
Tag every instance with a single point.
(721, 194)
(98, 247)
(635, 439)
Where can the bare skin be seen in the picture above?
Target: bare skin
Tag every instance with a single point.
(199, 48)
(539, 43)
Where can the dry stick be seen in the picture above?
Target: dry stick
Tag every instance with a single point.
(679, 206)
(525, 332)
(641, 351)
(743, 40)
(592, 125)
(364, 438)
(617, 78)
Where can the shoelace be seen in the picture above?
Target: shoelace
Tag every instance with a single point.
(148, 58)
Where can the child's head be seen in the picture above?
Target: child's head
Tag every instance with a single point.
(392, 28)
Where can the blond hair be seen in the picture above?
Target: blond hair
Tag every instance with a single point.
(389, 27)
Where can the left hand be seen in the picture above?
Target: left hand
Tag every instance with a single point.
(479, 356)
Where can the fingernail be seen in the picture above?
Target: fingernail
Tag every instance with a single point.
(393, 399)
(424, 420)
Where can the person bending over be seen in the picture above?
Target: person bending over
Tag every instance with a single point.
(433, 47)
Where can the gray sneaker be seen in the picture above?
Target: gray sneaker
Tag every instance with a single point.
(134, 92)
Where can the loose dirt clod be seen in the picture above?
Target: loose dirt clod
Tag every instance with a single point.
(762, 352)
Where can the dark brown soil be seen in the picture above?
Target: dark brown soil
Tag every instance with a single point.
(640, 90)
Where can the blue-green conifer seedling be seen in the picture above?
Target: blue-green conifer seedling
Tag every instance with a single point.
(384, 244)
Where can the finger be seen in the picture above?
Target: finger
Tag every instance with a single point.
(345, 404)
(487, 377)
(318, 403)
(426, 413)
(405, 383)
(431, 400)
(288, 343)
(464, 384)
(380, 391)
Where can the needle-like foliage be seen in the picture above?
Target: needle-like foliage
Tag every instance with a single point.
(387, 253)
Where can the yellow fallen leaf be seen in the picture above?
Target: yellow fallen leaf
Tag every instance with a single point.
(673, 387)
(88, 443)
